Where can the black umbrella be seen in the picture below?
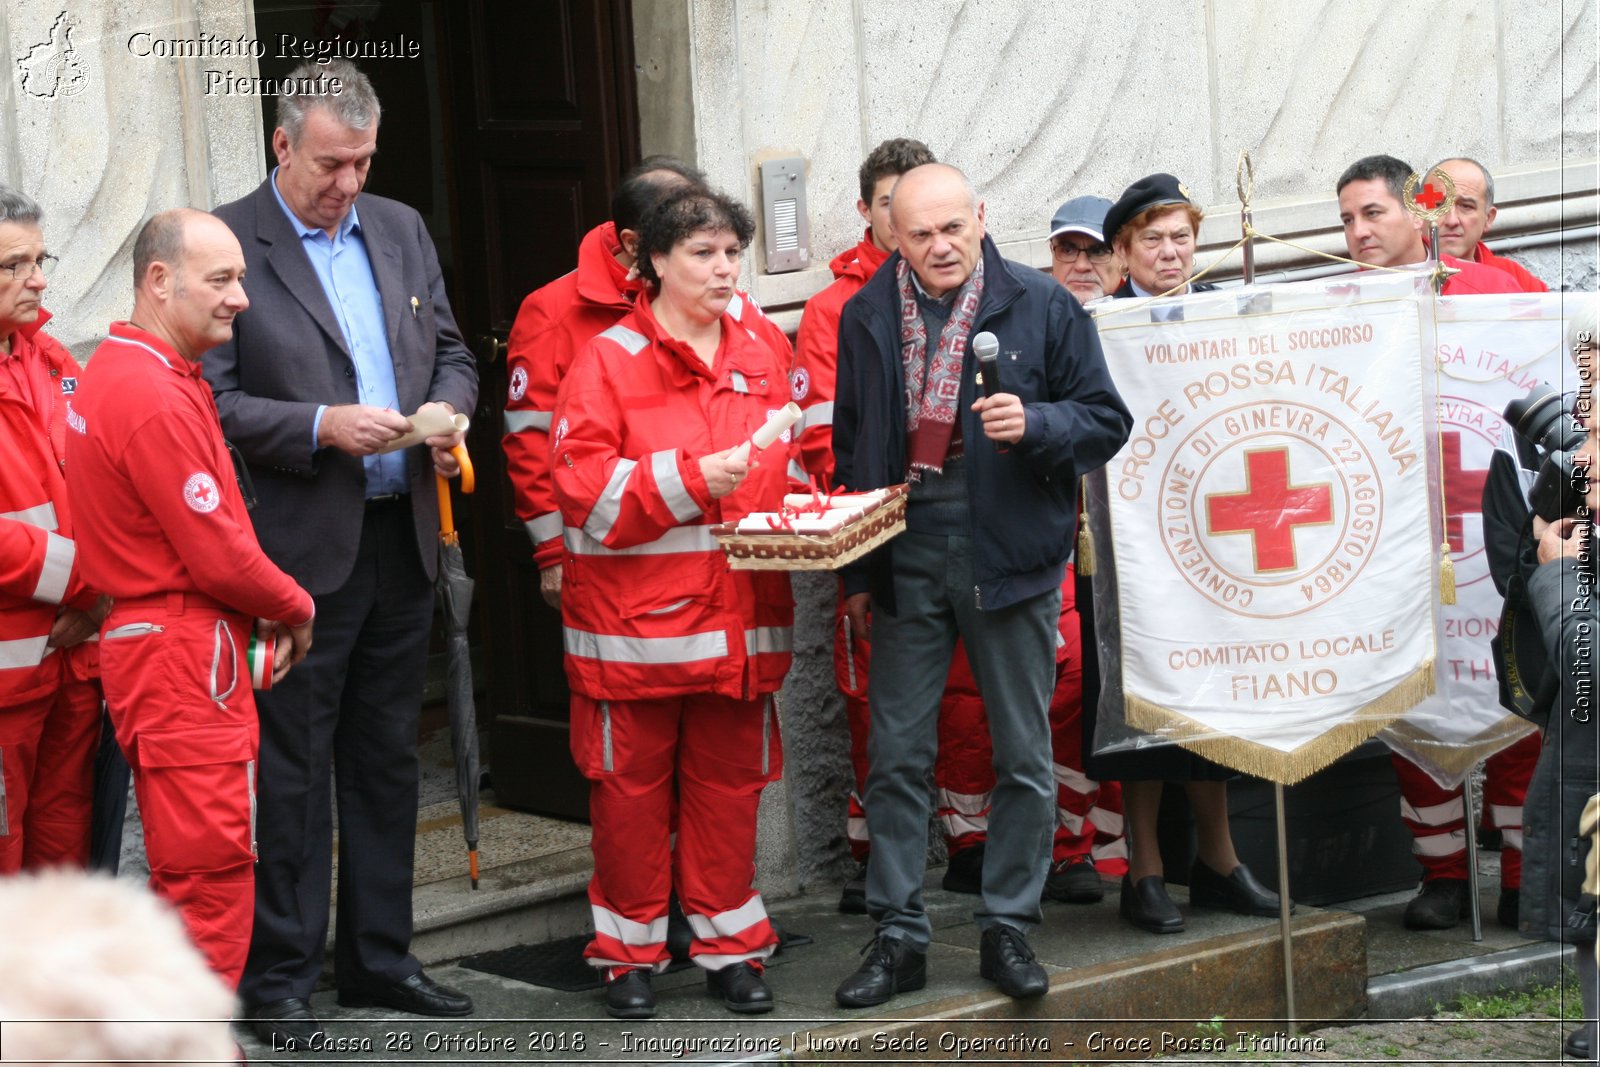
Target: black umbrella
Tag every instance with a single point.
(455, 594)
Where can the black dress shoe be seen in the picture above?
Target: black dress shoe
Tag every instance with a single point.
(417, 995)
(965, 872)
(1239, 891)
(741, 988)
(1580, 1043)
(285, 1025)
(853, 901)
(1509, 910)
(1148, 907)
(1005, 958)
(1074, 881)
(892, 966)
(1439, 905)
(680, 936)
(629, 996)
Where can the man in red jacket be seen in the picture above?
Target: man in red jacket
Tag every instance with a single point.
(1379, 230)
(49, 693)
(556, 322)
(170, 540)
(1463, 226)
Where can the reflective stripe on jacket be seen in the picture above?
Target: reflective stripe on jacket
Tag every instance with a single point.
(650, 607)
(553, 326)
(39, 569)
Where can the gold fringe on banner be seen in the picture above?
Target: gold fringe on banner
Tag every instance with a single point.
(1286, 768)
(1456, 759)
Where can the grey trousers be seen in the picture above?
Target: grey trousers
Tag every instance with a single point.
(1012, 654)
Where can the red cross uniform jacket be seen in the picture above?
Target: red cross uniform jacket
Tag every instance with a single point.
(167, 514)
(650, 608)
(40, 569)
(552, 327)
(816, 359)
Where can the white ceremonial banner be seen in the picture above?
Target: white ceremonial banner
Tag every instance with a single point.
(1272, 567)
(1492, 349)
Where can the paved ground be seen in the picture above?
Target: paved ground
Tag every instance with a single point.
(529, 1024)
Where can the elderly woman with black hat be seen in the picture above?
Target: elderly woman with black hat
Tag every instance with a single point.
(1153, 228)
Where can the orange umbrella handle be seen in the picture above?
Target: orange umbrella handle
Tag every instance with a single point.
(447, 521)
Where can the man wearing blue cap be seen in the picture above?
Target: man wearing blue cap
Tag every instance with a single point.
(1080, 256)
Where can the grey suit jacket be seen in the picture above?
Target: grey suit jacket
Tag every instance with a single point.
(288, 356)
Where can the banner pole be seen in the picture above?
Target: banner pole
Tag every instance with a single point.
(1284, 904)
(1245, 180)
(1469, 804)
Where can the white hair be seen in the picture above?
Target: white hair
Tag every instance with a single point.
(113, 971)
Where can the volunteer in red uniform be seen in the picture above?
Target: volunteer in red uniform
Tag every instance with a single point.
(49, 692)
(552, 327)
(170, 540)
(1463, 226)
(673, 658)
(1379, 230)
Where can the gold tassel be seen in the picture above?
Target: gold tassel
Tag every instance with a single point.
(1447, 575)
(1085, 545)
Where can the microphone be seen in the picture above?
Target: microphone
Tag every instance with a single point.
(986, 346)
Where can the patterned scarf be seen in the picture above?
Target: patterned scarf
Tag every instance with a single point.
(933, 385)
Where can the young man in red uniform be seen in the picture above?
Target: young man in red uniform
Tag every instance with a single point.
(49, 692)
(1463, 226)
(1379, 230)
(556, 322)
(170, 540)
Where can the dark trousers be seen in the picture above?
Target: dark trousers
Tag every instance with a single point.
(1012, 655)
(351, 706)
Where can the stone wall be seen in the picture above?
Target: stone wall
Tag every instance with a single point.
(104, 132)
(1038, 103)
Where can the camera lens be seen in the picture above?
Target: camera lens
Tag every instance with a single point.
(1542, 418)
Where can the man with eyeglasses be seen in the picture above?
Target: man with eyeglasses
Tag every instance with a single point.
(1088, 840)
(49, 676)
(1080, 257)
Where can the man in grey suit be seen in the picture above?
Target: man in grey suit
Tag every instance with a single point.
(349, 329)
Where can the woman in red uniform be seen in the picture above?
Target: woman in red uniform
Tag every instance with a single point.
(672, 657)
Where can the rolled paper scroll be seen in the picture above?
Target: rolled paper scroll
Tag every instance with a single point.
(770, 431)
(431, 420)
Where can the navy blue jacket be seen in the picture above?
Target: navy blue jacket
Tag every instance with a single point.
(1023, 502)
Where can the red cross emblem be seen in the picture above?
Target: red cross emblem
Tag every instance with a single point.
(1270, 508)
(200, 492)
(1430, 197)
(1463, 489)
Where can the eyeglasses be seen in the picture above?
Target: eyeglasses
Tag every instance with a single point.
(24, 269)
(1067, 253)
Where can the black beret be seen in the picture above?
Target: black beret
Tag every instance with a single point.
(1155, 190)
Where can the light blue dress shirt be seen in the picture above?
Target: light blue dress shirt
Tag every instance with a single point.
(345, 271)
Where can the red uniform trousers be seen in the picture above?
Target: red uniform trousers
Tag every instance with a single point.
(1436, 816)
(47, 747)
(179, 696)
(1088, 813)
(714, 753)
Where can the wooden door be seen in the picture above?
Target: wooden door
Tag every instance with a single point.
(542, 122)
